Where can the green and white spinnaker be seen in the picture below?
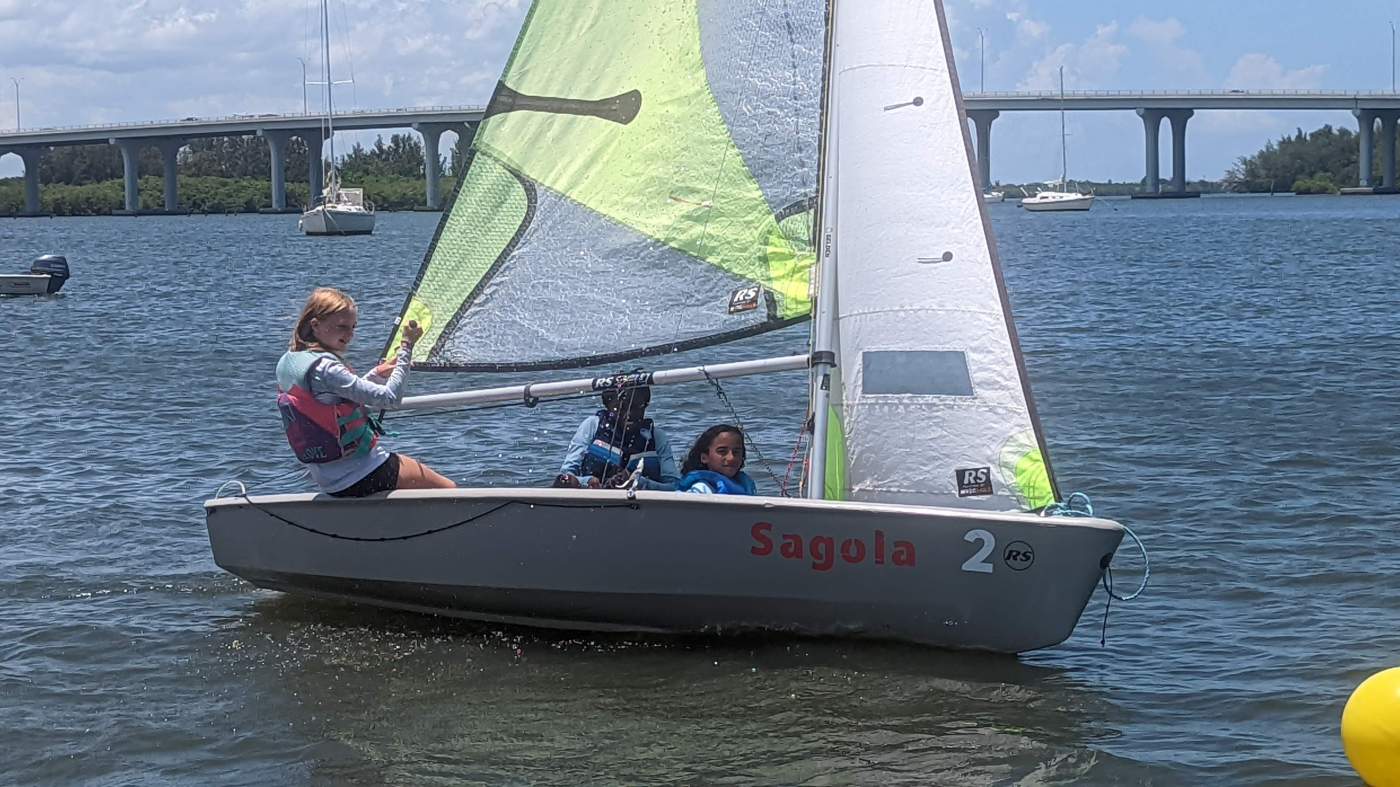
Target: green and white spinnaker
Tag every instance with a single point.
(640, 167)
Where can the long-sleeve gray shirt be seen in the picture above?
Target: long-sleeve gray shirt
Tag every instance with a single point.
(333, 380)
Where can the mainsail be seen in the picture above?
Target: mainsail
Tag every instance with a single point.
(932, 394)
(642, 183)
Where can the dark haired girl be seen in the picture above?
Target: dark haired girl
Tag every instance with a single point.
(715, 464)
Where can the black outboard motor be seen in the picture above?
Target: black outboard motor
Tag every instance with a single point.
(55, 267)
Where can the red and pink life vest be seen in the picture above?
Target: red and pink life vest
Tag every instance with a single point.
(319, 432)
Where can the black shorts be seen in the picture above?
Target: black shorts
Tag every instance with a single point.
(384, 478)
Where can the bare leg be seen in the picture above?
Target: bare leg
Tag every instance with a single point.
(416, 475)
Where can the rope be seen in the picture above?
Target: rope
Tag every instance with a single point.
(723, 397)
(794, 460)
(1078, 504)
(432, 531)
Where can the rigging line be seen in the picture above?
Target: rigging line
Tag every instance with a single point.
(794, 458)
(349, 60)
(719, 391)
(434, 530)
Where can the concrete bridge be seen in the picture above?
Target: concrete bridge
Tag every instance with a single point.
(1177, 107)
(168, 136)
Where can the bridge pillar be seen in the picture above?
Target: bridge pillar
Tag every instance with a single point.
(1366, 124)
(169, 156)
(131, 171)
(1152, 126)
(1178, 119)
(315, 175)
(1388, 150)
(31, 157)
(432, 166)
(277, 145)
(982, 121)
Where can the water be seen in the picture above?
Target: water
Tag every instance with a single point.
(1217, 373)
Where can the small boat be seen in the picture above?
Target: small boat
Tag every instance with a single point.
(338, 211)
(341, 212)
(1058, 197)
(993, 196)
(1058, 200)
(46, 277)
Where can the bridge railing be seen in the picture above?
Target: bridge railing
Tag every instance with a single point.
(1231, 93)
(237, 118)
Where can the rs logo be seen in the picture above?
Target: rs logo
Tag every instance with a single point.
(975, 477)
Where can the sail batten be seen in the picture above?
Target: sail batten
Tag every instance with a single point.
(627, 194)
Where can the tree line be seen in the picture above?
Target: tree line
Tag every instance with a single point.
(1322, 161)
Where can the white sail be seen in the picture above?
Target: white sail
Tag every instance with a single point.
(935, 408)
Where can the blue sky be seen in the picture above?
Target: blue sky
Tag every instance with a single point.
(98, 61)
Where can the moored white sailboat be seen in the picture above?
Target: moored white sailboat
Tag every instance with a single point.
(928, 477)
(338, 211)
(1059, 197)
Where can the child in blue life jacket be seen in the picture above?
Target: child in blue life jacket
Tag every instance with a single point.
(618, 440)
(715, 464)
(324, 404)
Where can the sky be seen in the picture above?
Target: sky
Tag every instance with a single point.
(102, 61)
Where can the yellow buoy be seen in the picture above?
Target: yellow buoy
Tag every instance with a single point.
(1371, 729)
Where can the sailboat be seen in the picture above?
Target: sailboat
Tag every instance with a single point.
(1058, 196)
(668, 194)
(338, 210)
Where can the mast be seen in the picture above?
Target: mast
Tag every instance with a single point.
(330, 82)
(1064, 151)
(823, 348)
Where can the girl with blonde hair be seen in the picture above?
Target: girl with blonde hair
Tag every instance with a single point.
(325, 405)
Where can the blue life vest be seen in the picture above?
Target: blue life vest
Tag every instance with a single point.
(612, 449)
(740, 484)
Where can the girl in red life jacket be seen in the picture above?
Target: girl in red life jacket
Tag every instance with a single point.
(325, 405)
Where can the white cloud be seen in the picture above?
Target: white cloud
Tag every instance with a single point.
(94, 61)
(1159, 32)
(1027, 27)
(1260, 71)
(1093, 63)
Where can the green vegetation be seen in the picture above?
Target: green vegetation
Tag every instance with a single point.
(1317, 162)
(224, 175)
(203, 195)
(1109, 188)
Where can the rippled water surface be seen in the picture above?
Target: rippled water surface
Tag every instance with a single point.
(1220, 374)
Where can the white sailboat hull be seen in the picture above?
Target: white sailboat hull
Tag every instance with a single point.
(331, 220)
(1048, 201)
(669, 562)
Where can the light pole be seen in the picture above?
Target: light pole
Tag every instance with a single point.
(981, 61)
(303, 85)
(1392, 57)
(16, 81)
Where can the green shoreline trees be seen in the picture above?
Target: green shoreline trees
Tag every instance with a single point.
(1322, 161)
